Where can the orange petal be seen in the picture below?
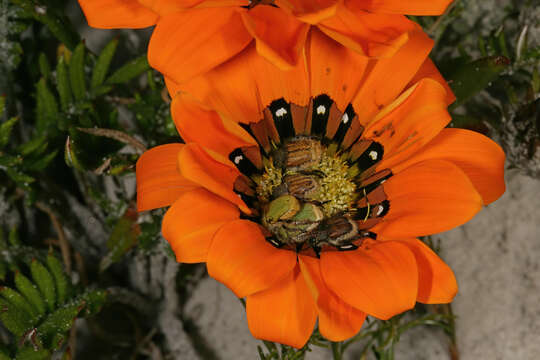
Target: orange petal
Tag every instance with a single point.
(164, 7)
(408, 7)
(480, 158)
(410, 122)
(285, 313)
(159, 182)
(374, 35)
(380, 279)
(172, 86)
(337, 320)
(188, 43)
(429, 70)
(111, 14)
(191, 222)
(426, 198)
(335, 70)
(388, 77)
(309, 11)
(280, 37)
(198, 166)
(242, 259)
(205, 127)
(436, 281)
(243, 86)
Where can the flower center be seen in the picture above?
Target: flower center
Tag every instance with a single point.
(312, 182)
(311, 172)
(307, 194)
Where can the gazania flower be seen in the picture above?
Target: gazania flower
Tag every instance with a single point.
(193, 36)
(311, 210)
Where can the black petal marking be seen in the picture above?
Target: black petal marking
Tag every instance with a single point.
(372, 155)
(369, 188)
(248, 200)
(242, 163)
(347, 247)
(345, 124)
(247, 127)
(381, 209)
(369, 234)
(362, 213)
(373, 211)
(321, 111)
(281, 113)
(275, 242)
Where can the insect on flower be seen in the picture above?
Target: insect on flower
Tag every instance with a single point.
(304, 190)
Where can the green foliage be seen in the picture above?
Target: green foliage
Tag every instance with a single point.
(473, 77)
(123, 237)
(52, 17)
(102, 64)
(76, 72)
(129, 71)
(41, 308)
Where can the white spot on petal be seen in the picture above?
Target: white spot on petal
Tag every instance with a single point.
(380, 210)
(345, 118)
(321, 109)
(237, 159)
(373, 155)
(280, 112)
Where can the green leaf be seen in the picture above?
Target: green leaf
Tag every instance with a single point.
(76, 72)
(3, 271)
(57, 341)
(14, 319)
(58, 24)
(535, 81)
(5, 131)
(102, 90)
(47, 107)
(13, 237)
(40, 163)
(129, 71)
(2, 104)
(44, 66)
(36, 146)
(16, 299)
(20, 178)
(95, 299)
(30, 292)
(102, 64)
(62, 83)
(29, 353)
(59, 321)
(122, 239)
(8, 160)
(45, 282)
(4, 355)
(70, 156)
(60, 278)
(471, 78)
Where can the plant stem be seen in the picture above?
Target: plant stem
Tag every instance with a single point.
(336, 350)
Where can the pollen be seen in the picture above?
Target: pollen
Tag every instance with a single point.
(337, 189)
(269, 181)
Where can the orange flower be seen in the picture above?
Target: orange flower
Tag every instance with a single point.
(193, 36)
(311, 210)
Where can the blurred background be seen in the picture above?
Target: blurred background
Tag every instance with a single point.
(79, 105)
